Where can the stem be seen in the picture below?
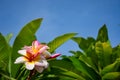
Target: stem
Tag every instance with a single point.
(9, 64)
(32, 72)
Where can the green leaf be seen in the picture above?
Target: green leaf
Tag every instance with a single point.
(87, 45)
(4, 52)
(76, 53)
(107, 49)
(112, 76)
(64, 72)
(103, 34)
(116, 53)
(65, 64)
(67, 78)
(58, 41)
(104, 52)
(85, 69)
(8, 37)
(88, 61)
(65, 67)
(25, 37)
(72, 74)
(111, 68)
(5, 76)
(83, 43)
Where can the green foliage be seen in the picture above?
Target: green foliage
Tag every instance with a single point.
(103, 34)
(112, 67)
(85, 69)
(83, 43)
(99, 56)
(104, 52)
(111, 76)
(8, 37)
(54, 44)
(4, 52)
(96, 59)
(65, 67)
(26, 36)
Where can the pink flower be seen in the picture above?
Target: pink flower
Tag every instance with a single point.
(35, 56)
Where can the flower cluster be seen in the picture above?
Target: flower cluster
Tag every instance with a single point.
(35, 56)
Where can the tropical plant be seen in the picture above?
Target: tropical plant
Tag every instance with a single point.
(8, 54)
(96, 60)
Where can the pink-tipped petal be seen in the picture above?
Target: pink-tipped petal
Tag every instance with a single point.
(27, 47)
(44, 48)
(20, 60)
(29, 65)
(39, 68)
(22, 52)
(55, 55)
(35, 44)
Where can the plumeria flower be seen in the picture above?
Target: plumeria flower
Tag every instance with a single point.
(35, 56)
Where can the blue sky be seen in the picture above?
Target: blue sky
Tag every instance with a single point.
(62, 16)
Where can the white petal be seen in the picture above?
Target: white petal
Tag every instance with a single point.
(39, 64)
(22, 52)
(29, 65)
(20, 60)
(46, 54)
(43, 63)
(39, 68)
